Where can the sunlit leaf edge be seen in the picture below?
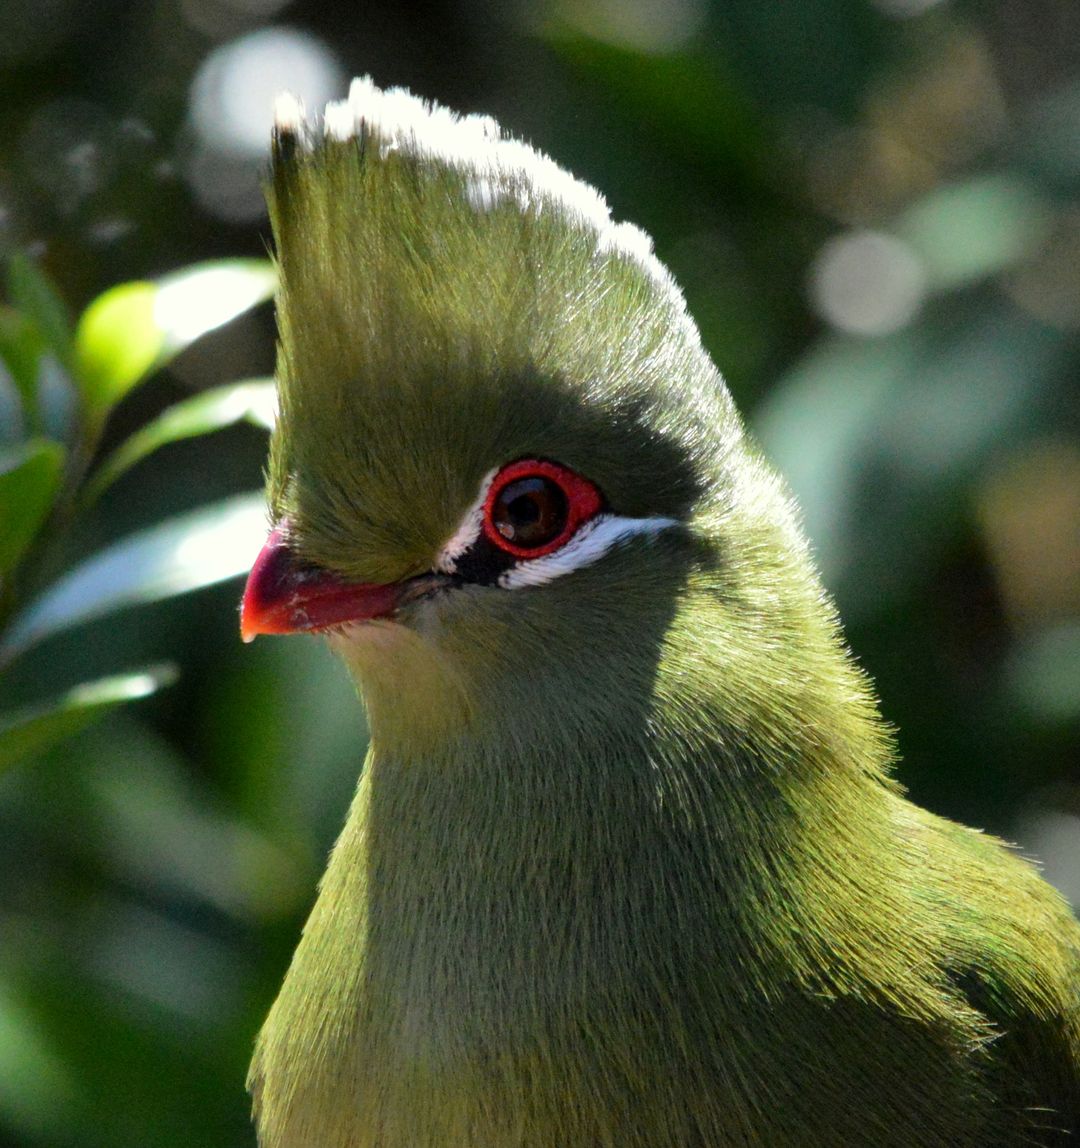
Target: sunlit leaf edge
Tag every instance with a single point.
(135, 328)
(250, 400)
(27, 732)
(182, 554)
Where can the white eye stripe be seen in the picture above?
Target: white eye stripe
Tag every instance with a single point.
(589, 544)
(468, 531)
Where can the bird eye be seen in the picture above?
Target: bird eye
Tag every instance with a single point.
(530, 512)
(534, 506)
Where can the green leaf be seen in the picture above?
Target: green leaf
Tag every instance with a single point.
(32, 294)
(182, 554)
(29, 479)
(252, 400)
(33, 730)
(117, 342)
(37, 1089)
(21, 345)
(134, 328)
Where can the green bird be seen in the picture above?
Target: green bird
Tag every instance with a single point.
(625, 867)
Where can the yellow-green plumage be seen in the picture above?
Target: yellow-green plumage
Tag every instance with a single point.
(625, 867)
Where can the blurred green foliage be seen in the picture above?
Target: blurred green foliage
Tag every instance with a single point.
(119, 340)
(874, 210)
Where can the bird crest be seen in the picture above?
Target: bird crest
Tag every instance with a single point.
(429, 262)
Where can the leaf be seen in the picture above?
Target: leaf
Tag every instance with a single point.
(29, 479)
(33, 294)
(252, 400)
(37, 1089)
(20, 348)
(35, 729)
(183, 554)
(117, 342)
(134, 328)
(56, 401)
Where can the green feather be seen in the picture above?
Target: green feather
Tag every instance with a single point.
(625, 866)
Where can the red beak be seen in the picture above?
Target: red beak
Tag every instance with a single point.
(282, 596)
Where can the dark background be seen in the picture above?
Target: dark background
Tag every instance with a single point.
(874, 210)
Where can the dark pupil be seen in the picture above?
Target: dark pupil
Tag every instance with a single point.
(530, 511)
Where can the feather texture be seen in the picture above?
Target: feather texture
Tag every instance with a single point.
(625, 866)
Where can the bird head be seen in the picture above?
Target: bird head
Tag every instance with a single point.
(503, 459)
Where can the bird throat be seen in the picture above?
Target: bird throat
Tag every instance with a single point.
(510, 918)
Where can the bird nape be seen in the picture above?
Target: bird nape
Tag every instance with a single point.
(625, 866)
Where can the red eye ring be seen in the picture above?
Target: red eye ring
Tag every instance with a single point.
(570, 502)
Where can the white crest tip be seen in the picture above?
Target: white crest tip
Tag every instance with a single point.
(339, 122)
(289, 116)
(497, 170)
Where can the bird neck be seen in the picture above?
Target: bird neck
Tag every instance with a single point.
(549, 815)
(498, 890)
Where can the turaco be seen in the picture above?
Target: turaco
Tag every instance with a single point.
(625, 867)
